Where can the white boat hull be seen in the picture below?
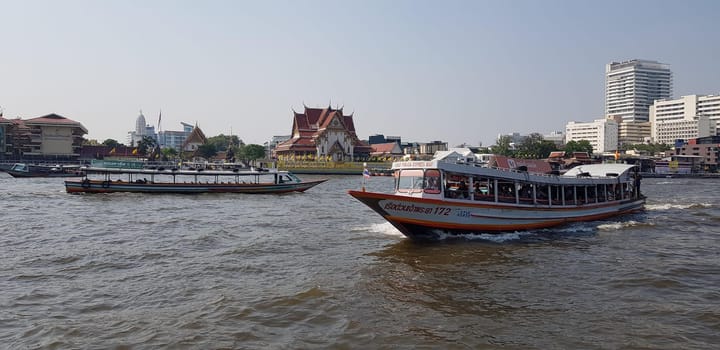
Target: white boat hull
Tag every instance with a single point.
(424, 218)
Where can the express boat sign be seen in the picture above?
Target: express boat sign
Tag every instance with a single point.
(117, 164)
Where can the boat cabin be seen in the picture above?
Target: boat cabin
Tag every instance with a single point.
(587, 184)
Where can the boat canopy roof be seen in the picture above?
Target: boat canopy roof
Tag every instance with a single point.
(201, 172)
(599, 170)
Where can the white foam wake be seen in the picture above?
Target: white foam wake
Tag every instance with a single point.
(384, 228)
(668, 206)
(613, 226)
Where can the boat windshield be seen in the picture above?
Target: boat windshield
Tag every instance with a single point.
(417, 180)
(410, 180)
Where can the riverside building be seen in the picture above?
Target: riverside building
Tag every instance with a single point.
(601, 133)
(684, 118)
(323, 133)
(631, 87)
(50, 137)
(630, 133)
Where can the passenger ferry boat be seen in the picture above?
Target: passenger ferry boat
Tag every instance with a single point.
(457, 197)
(42, 170)
(130, 178)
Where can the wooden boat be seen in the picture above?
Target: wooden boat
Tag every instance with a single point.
(36, 170)
(455, 197)
(160, 180)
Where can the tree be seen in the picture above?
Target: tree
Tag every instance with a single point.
(168, 153)
(535, 147)
(147, 143)
(207, 150)
(649, 148)
(223, 142)
(502, 146)
(578, 146)
(111, 143)
(252, 152)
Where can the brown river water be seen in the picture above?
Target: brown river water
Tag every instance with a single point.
(320, 270)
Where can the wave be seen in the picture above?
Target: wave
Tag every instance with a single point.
(489, 237)
(612, 226)
(385, 228)
(668, 206)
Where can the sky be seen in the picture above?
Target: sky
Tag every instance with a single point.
(454, 71)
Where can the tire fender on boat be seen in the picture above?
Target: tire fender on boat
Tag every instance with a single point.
(85, 183)
(106, 184)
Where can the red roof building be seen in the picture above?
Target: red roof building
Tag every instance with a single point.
(386, 149)
(50, 136)
(323, 134)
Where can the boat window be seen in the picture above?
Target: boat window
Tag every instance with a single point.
(506, 191)
(483, 189)
(410, 180)
(569, 195)
(432, 181)
(456, 186)
(542, 194)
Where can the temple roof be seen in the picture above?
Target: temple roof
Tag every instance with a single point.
(196, 136)
(312, 122)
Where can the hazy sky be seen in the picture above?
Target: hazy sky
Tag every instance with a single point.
(457, 71)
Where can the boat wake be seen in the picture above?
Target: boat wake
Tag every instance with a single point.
(384, 228)
(486, 237)
(668, 206)
(614, 226)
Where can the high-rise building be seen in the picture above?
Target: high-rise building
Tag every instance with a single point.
(631, 87)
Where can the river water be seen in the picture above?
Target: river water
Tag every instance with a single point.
(320, 270)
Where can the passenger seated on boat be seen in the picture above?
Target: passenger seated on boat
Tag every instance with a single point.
(462, 189)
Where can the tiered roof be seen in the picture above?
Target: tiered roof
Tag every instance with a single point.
(196, 136)
(310, 124)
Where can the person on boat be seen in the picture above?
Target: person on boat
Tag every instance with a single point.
(463, 189)
(637, 177)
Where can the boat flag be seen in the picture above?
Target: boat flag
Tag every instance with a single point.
(134, 151)
(112, 151)
(366, 175)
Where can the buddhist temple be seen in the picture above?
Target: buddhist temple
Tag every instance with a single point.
(194, 140)
(323, 134)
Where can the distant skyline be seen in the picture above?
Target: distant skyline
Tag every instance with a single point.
(456, 71)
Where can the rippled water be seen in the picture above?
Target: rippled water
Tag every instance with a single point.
(319, 270)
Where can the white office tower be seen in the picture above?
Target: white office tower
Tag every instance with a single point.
(631, 87)
(684, 118)
(601, 133)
